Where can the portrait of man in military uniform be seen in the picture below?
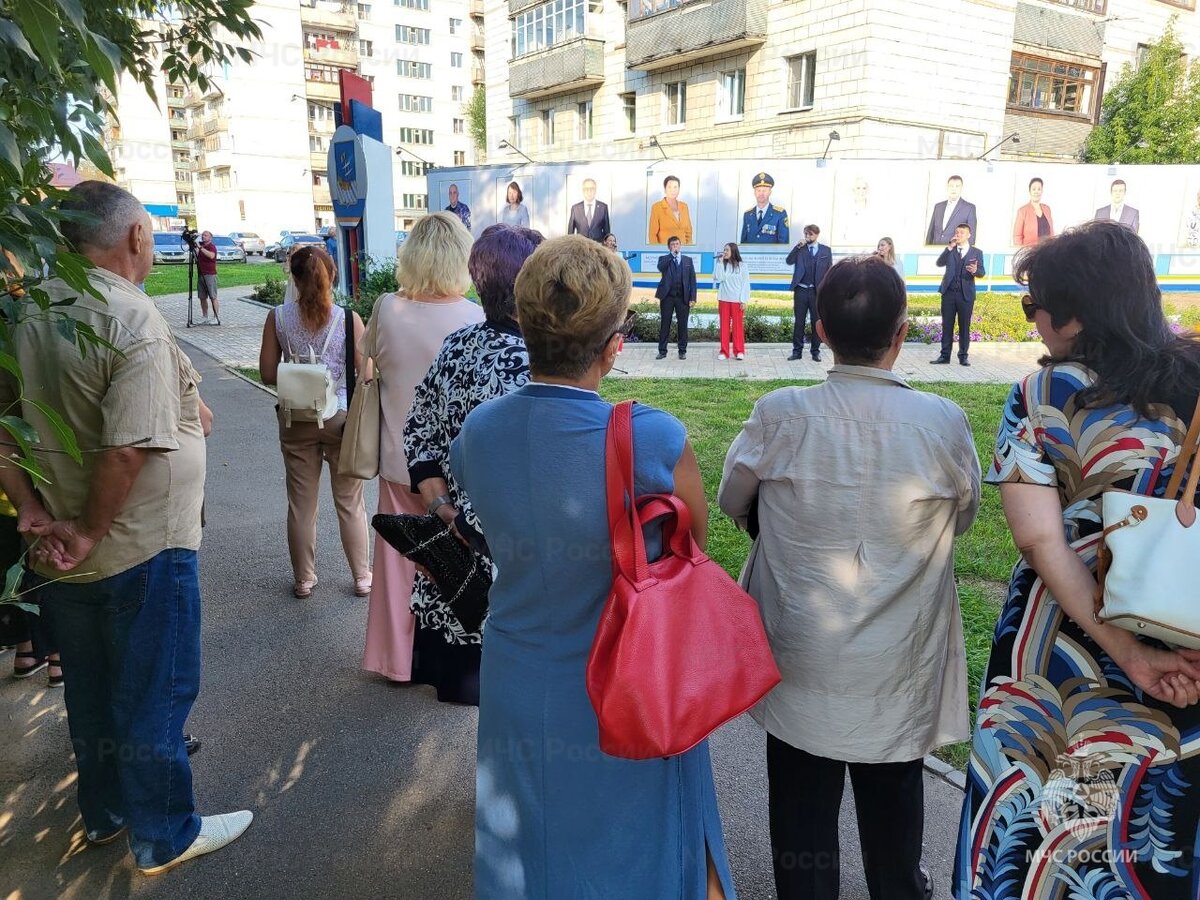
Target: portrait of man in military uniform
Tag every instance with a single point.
(764, 222)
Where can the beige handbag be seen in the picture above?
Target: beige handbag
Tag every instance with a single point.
(1146, 583)
(360, 437)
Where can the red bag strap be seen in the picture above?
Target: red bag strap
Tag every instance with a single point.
(624, 530)
(677, 529)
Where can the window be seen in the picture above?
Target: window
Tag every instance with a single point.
(548, 127)
(551, 23)
(222, 179)
(407, 68)
(316, 143)
(640, 8)
(407, 34)
(459, 126)
(802, 72)
(416, 201)
(366, 48)
(416, 135)
(416, 103)
(731, 99)
(456, 60)
(413, 4)
(1044, 85)
(364, 11)
(319, 113)
(455, 26)
(1096, 6)
(320, 72)
(629, 109)
(414, 169)
(676, 96)
(185, 177)
(176, 93)
(242, 210)
(460, 157)
(583, 113)
(456, 93)
(204, 182)
(514, 130)
(319, 180)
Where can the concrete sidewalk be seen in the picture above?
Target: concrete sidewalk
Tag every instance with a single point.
(360, 788)
(236, 341)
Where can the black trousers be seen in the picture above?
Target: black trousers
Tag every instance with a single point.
(804, 303)
(805, 799)
(956, 306)
(677, 306)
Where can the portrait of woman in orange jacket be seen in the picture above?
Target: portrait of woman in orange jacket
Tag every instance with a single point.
(1033, 222)
(669, 216)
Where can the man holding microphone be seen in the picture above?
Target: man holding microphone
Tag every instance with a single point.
(963, 264)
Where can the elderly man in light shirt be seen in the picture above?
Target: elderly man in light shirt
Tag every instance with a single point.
(859, 486)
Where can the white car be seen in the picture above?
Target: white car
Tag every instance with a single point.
(250, 242)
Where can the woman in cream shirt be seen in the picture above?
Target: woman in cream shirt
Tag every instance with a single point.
(733, 293)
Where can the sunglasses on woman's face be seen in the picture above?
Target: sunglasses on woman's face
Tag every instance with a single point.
(1030, 307)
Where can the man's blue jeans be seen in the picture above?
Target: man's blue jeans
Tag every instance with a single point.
(130, 649)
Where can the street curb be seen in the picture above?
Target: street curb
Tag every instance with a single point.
(236, 374)
(946, 772)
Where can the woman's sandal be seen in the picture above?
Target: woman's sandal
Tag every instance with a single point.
(24, 671)
(54, 681)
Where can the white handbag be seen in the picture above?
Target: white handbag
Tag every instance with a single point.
(306, 390)
(1147, 549)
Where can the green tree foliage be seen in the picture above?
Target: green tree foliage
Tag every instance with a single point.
(1152, 113)
(59, 65)
(475, 110)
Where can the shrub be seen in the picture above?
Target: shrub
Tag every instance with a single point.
(270, 291)
(377, 276)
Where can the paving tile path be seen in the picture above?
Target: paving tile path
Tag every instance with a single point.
(235, 342)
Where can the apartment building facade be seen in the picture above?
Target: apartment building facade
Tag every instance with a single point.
(925, 79)
(250, 153)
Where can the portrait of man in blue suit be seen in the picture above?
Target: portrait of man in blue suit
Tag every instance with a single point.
(764, 222)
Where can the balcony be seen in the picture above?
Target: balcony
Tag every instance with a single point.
(208, 125)
(222, 157)
(333, 16)
(477, 44)
(182, 145)
(318, 161)
(345, 56)
(477, 74)
(570, 66)
(323, 90)
(176, 102)
(321, 126)
(476, 8)
(680, 33)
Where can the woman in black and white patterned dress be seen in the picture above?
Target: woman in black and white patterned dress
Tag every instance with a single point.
(476, 364)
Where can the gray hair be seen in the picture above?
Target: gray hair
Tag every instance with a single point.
(109, 212)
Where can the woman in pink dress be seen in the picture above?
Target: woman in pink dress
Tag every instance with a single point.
(407, 329)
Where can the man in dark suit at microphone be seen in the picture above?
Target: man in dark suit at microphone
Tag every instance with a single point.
(676, 295)
(963, 264)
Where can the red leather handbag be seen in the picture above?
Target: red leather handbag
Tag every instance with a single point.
(680, 648)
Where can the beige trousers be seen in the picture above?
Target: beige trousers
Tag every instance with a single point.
(305, 447)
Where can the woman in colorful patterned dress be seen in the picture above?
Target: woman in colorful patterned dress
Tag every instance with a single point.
(1084, 779)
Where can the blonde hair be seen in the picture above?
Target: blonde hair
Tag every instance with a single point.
(572, 294)
(433, 261)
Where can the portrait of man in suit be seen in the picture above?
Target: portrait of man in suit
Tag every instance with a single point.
(589, 217)
(764, 222)
(1118, 210)
(948, 213)
(810, 260)
(676, 295)
(963, 264)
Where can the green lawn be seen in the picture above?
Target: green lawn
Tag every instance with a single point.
(713, 411)
(174, 279)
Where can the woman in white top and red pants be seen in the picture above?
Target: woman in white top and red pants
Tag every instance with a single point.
(733, 292)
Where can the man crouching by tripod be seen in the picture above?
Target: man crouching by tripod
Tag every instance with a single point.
(206, 266)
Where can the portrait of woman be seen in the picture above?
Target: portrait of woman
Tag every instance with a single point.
(515, 211)
(669, 217)
(1033, 223)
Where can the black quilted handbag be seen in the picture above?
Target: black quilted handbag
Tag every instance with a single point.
(461, 575)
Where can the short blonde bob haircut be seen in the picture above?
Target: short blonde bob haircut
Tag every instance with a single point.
(572, 295)
(433, 261)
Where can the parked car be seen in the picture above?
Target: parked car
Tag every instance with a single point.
(250, 242)
(169, 248)
(227, 249)
(291, 239)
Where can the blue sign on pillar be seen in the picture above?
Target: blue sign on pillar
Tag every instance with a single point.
(347, 176)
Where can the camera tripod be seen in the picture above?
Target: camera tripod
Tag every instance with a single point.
(188, 240)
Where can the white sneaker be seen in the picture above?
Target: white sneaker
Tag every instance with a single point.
(203, 320)
(215, 833)
(722, 356)
(741, 356)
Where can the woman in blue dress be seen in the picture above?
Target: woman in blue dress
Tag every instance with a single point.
(556, 818)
